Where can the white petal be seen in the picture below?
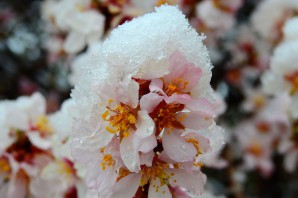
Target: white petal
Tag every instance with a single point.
(193, 182)
(126, 187)
(149, 101)
(74, 42)
(145, 125)
(130, 154)
(177, 148)
(38, 141)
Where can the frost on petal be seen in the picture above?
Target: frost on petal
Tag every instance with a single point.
(177, 148)
(156, 190)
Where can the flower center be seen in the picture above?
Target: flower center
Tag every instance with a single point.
(42, 126)
(121, 119)
(293, 80)
(164, 116)
(169, 2)
(255, 149)
(218, 4)
(4, 165)
(176, 86)
(259, 101)
(156, 171)
(67, 168)
(263, 127)
(23, 150)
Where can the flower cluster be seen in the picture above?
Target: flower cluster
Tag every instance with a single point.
(30, 155)
(147, 127)
(149, 94)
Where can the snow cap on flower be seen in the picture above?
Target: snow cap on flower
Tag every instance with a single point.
(145, 107)
(132, 50)
(142, 47)
(90, 57)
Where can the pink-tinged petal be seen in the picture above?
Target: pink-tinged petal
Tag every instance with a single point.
(144, 139)
(145, 125)
(180, 68)
(179, 192)
(178, 98)
(128, 93)
(194, 120)
(149, 101)
(17, 187)
(126, 187)
(164, 157)
(177, 62)
(201, 105)
(156, 85)
(156, 190)
(177, 148)
(147, 158)
(192, 181)
(130, 154)
(204, 143)
(39, 141)
(147, 144)
(192, 75)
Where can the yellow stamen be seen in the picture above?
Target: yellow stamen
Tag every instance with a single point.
(293, 80)
(156, 171)
(43, 126)
(107, 161)
(121, 119)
